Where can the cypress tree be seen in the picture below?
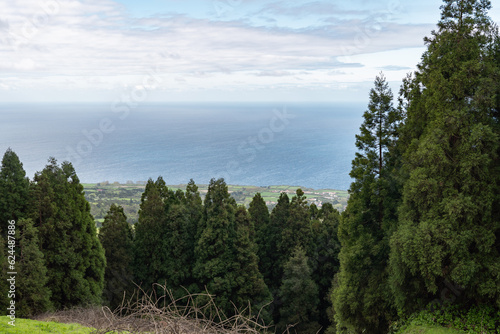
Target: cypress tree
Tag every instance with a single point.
(299, 294)
(69, 242)
(117, 240)
(360, 298)
(449, 227)
(32, 293)
(14, 190)
(264, 235)
(215, 264)
(250, 286)
(150, 256)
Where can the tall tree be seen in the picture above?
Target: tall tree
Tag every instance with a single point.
(33, 294)
(14, 190)
(360, 298)
(69, 241)
(299, 294)
(260, 217)
(250, 286)
(117, 240)
(449, 227)
(214, 250)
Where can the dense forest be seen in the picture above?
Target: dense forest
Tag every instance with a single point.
(418, 241)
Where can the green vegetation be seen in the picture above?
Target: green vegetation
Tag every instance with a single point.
(26, 326)
(416, 250)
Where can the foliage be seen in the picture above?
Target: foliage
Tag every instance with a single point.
(360, 297)
(448, 226)
(299, 294)
(68, 236)
(32, 293)
(117, 240)
(14, 190)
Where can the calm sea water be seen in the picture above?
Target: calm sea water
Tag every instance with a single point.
(309, 145)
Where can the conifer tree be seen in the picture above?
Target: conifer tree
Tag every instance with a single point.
(4, 284)
(360, 297)
(117, 240)
(264, 235)
(69, 242)
(214, 251)
(250, 286)
(449, 227)
(299, 294)
(297, 230)
(32, 293)
(14, 190)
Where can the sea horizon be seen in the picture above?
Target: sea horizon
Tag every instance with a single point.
(310, 145)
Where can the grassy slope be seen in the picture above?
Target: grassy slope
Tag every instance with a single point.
(38, 327)
(35, 327)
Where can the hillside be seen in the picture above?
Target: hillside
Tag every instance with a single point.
(102, 195)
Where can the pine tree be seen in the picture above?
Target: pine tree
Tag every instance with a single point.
(360, 297)
(299, 294)
(14, 190)
(117, 240)
(69, 242)
(449, 225)
(32, 293)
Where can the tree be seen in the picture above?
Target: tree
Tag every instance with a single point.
(32, 293)
(299, 294)
(297, 230)
(69, 242)
(117, 240)
(266, 248)
(325, 257)
(14, 190)
(4, 284)
(450, 201)
(214, 251)
(360, 297)
(250, 286)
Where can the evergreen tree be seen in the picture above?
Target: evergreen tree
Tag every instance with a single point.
(150, 255)
(299, 294)
(215, 266)
(32, 293)
(297, 230)
(325, 257)
(360, 298)
(266, 247)
(69, 242)
(250, 286)
(449, 227)
(4, 284)
(117, 240)
(14, 190)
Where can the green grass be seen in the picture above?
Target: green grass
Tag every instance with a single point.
(37, 327)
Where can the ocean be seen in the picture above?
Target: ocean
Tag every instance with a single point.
(308, 145)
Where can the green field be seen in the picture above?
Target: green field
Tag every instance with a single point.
(102, 195)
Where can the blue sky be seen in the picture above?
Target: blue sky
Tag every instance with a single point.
(208, 50)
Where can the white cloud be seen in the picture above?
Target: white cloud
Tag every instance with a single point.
(79, 46)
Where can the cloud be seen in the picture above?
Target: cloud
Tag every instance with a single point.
(395, 68)
(95, 44)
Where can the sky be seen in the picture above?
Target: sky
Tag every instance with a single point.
(208, 50)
